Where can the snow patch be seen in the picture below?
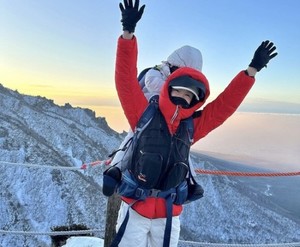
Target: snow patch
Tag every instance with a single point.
(84, 242)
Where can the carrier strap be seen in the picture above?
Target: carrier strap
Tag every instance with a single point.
(121, 231)
(119, 235)
(168, 227)
(148, 113)
(167, 235)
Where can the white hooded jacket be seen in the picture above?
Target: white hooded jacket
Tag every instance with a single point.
(185, 56)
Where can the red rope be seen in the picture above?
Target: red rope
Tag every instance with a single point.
(247, 174)
(97, 162)
(212, 172)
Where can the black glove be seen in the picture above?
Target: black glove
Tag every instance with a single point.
(263, 55)
(130, 14)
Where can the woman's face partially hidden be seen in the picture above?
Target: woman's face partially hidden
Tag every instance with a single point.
(182, 93)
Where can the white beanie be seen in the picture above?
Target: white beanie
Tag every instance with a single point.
(186, 56)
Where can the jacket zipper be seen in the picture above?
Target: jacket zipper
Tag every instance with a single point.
(175, 114)
(172, 135)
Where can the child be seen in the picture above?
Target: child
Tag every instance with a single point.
(185, 56)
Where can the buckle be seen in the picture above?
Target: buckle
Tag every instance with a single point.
(173, 196)
(154, 193)
(139, 193)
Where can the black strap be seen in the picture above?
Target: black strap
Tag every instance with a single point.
(125, 146)
(168, 227)
(120, 233)
(148, 113)
(143, 73)
(197, 114)
(167, 235)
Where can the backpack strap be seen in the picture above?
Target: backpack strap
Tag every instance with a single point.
(168, 227)
(189, 125)
(142, 123)
(197, 114)
(126, 145)
(148, 114)
(121, 231)
(141, 77)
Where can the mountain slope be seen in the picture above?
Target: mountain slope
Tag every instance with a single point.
(238, 209)
(34, 130)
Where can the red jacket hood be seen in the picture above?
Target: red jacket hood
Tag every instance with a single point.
(166, 106)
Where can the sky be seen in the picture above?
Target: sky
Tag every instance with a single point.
(65, 50)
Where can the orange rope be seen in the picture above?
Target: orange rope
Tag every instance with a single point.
(247, 174)
(212, 172)
(94, 163)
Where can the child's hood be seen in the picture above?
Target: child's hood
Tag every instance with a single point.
(186, 56)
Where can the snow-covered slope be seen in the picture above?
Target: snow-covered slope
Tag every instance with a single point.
(34, 130)
(243, 209)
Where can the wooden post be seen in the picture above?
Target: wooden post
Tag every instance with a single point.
(113, 206)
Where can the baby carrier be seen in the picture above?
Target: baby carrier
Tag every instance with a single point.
(155, 164)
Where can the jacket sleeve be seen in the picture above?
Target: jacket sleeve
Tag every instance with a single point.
(129, 92)
(216, 112)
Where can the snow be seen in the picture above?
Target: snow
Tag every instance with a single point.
(84, 242)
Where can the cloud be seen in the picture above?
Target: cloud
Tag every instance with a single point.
(271, 140)
(268, 106)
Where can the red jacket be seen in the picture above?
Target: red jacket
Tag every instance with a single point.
(134, 103)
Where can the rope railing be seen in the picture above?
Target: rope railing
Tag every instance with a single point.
(40, 166)
(182, 243)
(53, 233)
(198, 171)
(82, 167)
(199, 244)
(246, 174)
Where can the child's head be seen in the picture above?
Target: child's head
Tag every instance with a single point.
(186, 56)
